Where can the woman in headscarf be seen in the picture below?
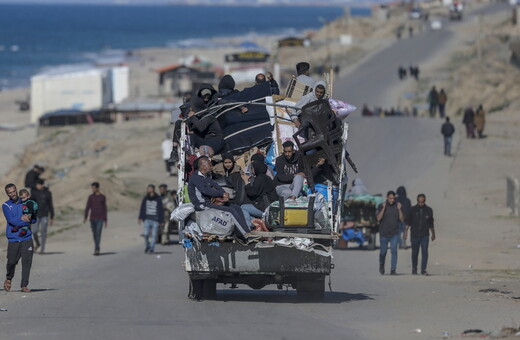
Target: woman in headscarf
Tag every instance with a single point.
(261, 191)
(227, 175)
(205, 127)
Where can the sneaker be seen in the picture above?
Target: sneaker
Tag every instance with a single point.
(392, 272)
(425, 273)
(382, 269)
(96, 252)
(414, 272)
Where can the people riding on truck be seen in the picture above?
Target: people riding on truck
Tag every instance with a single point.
(205, 193)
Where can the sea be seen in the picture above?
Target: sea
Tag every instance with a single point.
(36, 37)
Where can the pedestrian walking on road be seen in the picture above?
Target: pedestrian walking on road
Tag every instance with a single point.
(433, 101)
(32, 176)
(151, 215)
(43, 196)
(405, 208)
(469, 121)
(20, 244)
(443, 98)
(97, 207)
(447, 131)
(420, 223)
(389, 215)
(480, 121)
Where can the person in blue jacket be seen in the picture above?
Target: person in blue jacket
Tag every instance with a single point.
(19, 246)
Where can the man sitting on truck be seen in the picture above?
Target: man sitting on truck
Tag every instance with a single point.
(289, 172)
(205, 194)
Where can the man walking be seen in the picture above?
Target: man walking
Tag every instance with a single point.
(442, 99)
(389, 216)
(420, 221)
(433, 101)
(447, 131)
(152, 214)
(20, 244)
(43, 197)
(97, 206)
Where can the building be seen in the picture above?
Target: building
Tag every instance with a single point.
(82, 88)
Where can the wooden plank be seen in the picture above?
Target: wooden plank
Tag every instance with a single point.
(282, 234)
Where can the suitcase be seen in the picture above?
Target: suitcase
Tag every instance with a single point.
(292, 216)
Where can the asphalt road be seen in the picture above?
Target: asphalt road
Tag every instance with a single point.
(126, 294)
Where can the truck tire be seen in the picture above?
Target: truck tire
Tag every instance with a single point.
(205, 289)
(195, 289)
(311, 289)
(371, 242)
(209, 289)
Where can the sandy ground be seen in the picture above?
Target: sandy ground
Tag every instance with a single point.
(140, 296)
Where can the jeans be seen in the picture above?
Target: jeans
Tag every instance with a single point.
(394, 241)
(251, 211)
(420, 242)
(40, 227)
(150, 227)
(293, 189)
(447, 145)
(97, 227)
(15, 251)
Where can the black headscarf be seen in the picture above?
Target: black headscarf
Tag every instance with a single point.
(226, 86)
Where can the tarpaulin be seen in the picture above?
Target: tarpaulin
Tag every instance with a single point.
(243, 131)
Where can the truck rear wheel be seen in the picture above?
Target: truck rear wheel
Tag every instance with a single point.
(205, 289)
(371, 241)
(311, 289)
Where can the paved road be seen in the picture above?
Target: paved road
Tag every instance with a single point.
(126, 294)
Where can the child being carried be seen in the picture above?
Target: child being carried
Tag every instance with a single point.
(29, 208)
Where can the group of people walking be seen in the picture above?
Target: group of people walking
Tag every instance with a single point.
(437, 100)
(394, 214)
(474, 120)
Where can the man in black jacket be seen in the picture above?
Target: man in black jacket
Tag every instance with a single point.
(43, 197)
(152, 214)
(420, 221)
(33, 176)
(289, 172)
(447, 131)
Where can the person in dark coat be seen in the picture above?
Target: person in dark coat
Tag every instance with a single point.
(420, 221)
(442, 98)
(447, 131)
(261, 191)
(43, 196)
(208, 94)
(33, 176)
(469, 121)
(405, 207)
(205, 127)
(433, 101)
(226, 86)
(227, 175)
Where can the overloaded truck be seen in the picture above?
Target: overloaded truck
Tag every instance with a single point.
(295, 248)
